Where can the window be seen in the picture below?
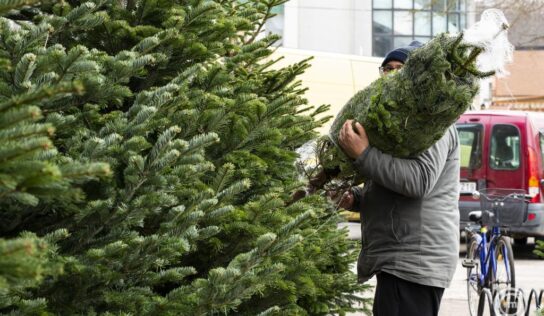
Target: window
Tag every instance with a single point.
(404, 21)
(440, 23)
(423, 24)
(470, 141)
(381, 45)
(439, 5)
(423, 4)
(453, 23)
(396, 23)
(504, 153)
(401, 41)
(383, 4)
(403, 4)
(382, 22)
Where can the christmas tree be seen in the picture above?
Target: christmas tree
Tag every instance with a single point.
(178, 100)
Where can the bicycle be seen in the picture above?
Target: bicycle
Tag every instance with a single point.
(490, 262)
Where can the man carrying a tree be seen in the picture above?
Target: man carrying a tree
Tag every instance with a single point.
(409, 216)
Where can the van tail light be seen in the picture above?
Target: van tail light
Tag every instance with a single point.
(531, 217)
(534, 182)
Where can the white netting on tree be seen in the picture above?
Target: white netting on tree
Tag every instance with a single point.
(491, 33)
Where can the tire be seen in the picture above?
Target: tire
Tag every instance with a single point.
(473, 276)
(505, 275)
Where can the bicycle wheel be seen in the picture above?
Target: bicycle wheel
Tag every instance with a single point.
(505, 274)
(473, 277)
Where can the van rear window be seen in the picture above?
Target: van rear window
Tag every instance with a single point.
(504, 153)
(470, 139)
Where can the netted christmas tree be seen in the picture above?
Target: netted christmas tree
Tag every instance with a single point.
(406, 112)
(178, 99)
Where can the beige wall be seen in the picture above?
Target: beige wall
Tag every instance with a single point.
(333, 78)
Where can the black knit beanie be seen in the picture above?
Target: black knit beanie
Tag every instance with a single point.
(401, 53)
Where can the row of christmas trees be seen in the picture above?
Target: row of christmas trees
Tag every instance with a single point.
(146, 161)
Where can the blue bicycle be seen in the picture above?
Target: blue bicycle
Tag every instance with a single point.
(490, 260)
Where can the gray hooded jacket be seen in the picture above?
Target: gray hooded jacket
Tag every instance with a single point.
(409, 213)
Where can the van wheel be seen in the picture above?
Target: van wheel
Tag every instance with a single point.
(520, 241)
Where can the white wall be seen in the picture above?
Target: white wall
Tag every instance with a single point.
(363, 28)
(339, 26)
(290, 30)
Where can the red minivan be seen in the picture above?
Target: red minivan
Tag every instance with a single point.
(503, 149)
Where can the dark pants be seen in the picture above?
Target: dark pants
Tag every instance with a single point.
(397, 297)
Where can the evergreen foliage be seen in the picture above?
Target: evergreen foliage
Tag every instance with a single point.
(167, 194)
(31, 170)
(539, 248)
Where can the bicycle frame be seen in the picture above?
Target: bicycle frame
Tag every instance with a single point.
(486, 251)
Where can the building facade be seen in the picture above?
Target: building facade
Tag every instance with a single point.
(523, 89)
(366, 27)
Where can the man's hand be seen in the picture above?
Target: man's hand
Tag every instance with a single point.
(345, 201)
(353, 143)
